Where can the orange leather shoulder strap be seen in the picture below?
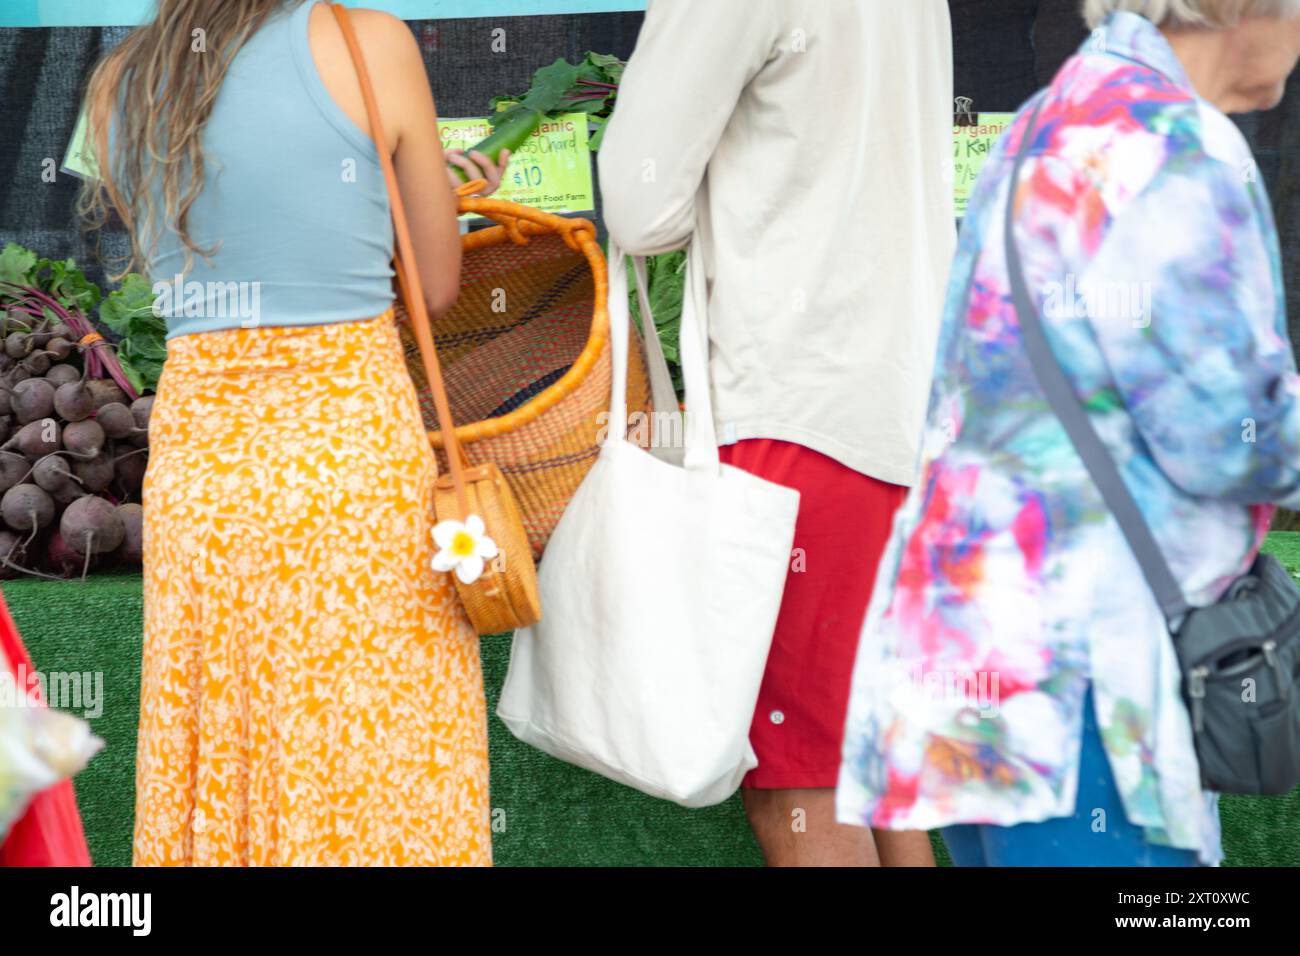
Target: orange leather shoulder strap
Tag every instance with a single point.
(409, 279)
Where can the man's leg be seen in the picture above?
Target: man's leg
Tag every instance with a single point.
(844, 520)
(798, 828)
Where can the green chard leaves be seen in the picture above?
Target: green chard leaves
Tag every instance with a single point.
(666, 277)
(129, 314)
(588, 87)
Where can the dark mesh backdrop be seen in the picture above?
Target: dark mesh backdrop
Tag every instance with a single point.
(1004, 49)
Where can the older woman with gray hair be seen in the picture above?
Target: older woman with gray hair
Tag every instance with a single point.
(1016, 684)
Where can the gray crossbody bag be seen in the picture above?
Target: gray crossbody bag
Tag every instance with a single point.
(1240, 657)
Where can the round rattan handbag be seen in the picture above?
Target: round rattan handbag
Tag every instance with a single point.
(525, 356)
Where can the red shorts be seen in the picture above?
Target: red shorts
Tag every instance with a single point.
(844, 521)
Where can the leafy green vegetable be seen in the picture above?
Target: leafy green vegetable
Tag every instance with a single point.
(58, 278)
(551, 86)
(17, 264)
(666, 276)
(134, 298)
(128, 312)
(609, 66)
(588, 87)
(559, 88)
(68, 284)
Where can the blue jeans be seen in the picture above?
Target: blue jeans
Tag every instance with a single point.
(1068, 841)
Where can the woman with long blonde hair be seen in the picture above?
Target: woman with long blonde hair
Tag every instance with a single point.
(311, 689)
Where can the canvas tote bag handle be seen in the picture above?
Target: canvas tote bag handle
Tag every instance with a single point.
(700, 436)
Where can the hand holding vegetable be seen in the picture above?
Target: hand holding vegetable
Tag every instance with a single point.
(588, 87)
(462, 168)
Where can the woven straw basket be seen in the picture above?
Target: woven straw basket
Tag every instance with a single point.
(525, 356)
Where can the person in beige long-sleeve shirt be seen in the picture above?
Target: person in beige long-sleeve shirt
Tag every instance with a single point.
(807, 147)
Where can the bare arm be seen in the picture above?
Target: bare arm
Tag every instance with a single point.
(691, 64)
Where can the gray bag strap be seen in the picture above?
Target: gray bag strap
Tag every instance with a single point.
(1074, 417)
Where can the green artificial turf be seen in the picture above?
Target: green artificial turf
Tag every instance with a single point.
(550, 813)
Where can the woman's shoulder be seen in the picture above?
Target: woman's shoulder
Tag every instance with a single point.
(380, 25)
(385, 39)
(393, 61)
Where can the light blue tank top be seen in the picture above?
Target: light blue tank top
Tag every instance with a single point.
(295, 195)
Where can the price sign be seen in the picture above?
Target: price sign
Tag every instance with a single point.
(971, 146)
(551, 171)
(79, 160)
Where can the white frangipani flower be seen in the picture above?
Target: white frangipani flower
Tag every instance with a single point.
(464, 547)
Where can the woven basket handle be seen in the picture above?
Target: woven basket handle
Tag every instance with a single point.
(408, 279)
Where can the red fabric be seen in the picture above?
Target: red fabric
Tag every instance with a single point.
(844, 521)
(49, 832)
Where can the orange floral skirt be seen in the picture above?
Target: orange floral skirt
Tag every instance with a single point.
(311, 690)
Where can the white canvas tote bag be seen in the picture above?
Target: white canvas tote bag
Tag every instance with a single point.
(660, 590)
